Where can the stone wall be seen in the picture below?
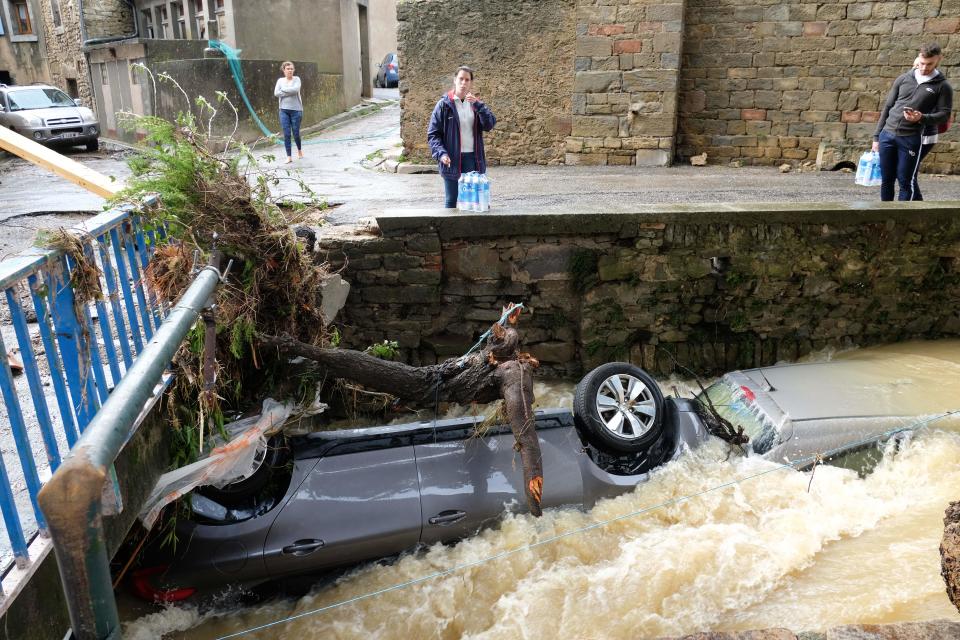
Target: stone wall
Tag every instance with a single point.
(523, 56)
(759, 81)
(106, 18)
(693, 286)
(64, 41)
(766, 83)
(625, 90)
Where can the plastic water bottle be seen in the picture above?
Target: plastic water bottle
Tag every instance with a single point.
(876, 176)
(484, 192)
(863, 169)
(474, 191)
(462, 193)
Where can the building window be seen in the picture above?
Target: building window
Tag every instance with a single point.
(21, 18)
(219, 5)
(163, 29)
(148, 23)
(180, 15)
(55, 10)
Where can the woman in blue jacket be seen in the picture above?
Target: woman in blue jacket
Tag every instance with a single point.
(456, 131)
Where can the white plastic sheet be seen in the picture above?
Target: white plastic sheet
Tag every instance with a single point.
(228, 462)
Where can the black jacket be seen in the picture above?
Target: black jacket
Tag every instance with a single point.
(934, 99)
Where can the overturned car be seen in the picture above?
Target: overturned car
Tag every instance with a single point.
(333, 499)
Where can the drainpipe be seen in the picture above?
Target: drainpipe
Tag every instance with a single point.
(83, 28)
(72, 499)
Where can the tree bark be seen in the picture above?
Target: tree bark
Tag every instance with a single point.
(950, 553)
(499, 371)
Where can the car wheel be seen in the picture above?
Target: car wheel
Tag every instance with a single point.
(376, 81)
(275, 455)
(93, 145)
(618, 408)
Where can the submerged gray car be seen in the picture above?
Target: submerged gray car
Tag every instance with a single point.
(337, 498)
(47, 115)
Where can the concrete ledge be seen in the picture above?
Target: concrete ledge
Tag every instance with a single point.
(625, 220)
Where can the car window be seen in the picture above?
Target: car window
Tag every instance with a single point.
(39, 99)
(733, 405)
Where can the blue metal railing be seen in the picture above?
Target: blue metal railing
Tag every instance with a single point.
(87, 350)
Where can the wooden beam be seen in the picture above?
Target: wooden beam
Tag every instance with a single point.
(58, 163)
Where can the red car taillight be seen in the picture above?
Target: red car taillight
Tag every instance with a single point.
(140, 581)
(391, 66)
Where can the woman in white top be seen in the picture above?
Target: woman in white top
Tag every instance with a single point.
(287, 90)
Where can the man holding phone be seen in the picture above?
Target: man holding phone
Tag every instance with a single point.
(919, 98)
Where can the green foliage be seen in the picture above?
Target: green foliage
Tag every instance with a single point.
(386, 350)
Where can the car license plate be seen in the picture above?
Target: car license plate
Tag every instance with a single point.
(69, 134)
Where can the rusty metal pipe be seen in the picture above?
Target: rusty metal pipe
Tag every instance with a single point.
(72, 499)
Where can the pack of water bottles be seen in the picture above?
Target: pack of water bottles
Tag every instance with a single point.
(473, 192)
(868, 170)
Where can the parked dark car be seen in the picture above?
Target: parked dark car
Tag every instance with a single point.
(49, 116)
(388, 74)
(337, 498)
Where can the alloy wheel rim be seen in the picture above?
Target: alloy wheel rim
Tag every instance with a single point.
(626, 406)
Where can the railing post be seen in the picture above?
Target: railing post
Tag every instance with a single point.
(71, 499)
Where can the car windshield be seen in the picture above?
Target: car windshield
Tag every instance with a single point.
(734, 406)
(38, 99)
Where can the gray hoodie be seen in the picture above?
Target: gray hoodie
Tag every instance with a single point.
(289, 94)
(934, 99)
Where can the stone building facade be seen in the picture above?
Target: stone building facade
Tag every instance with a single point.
(759, 81)
(22, 41)
(66, 34)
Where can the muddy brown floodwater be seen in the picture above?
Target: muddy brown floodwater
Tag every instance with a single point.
(755, 554)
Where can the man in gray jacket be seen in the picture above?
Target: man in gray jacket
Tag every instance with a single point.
(919, 98)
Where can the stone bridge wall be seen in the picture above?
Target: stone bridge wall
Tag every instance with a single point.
(704, 288)
(648, 81)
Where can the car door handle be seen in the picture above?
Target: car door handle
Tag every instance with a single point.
(447, 517)
(303, 547)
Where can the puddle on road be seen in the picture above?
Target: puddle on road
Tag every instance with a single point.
(762, 553)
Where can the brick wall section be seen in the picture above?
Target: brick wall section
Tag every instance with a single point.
(760, 81)
(767, 83)
(625, 88)
(750, 288)
(523, 55)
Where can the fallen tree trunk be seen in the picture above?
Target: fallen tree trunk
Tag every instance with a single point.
(950, 553)
(473, 381)
(498, 372)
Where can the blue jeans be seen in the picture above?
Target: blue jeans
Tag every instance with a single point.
(468, 163)
(290, 121)
(899, 162)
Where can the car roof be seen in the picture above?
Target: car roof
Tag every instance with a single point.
(908, 379)
(21, 87)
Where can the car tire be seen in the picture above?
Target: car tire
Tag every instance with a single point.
(608, 418)
(376, 81)
(275, 455)
(93, 145)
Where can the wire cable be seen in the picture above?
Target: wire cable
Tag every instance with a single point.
(914, 426)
